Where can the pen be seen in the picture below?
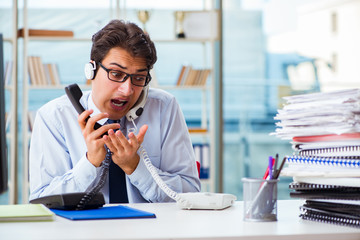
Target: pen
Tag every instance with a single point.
(276, 162)
(281, 166)
(266, 173)
(271, 167)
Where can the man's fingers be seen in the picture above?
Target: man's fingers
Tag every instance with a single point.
(142, 132)
(83, 116)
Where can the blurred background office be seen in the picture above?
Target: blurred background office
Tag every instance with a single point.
(262, 50)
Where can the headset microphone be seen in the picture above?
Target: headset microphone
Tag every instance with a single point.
(137, 110)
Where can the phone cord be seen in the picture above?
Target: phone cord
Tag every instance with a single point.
(153, 171)
(103, 174)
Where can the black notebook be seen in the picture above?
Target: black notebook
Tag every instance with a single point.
(340, 213)
(323, 191)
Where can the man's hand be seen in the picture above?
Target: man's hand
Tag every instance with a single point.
(94, 142)
(124, 150)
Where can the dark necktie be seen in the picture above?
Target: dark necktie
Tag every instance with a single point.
(117, 181)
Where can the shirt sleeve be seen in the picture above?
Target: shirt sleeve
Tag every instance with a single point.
(175, 163)
(52, 168)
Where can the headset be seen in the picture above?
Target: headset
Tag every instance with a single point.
(90, 70)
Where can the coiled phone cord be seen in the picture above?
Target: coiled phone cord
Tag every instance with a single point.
(103, 174)
(163, 186)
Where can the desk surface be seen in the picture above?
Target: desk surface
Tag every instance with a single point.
(173, 223)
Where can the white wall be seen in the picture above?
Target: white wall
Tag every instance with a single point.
(340, 48)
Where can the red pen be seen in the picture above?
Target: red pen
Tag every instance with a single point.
(266, 173)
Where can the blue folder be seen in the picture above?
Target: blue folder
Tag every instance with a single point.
(110, 212)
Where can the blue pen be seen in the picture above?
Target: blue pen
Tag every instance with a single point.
(270, 167)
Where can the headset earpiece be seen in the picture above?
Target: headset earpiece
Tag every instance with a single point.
(90, 70)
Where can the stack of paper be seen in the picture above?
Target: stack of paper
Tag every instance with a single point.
(319, 114)
(25, 212)
(324, 130)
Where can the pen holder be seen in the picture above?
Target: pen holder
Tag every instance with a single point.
(260, 199)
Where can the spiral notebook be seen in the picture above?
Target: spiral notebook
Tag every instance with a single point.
(302, 186)
(349, 162)
(309, 166)
(323, 191)
(345, 182)
(346, 214)
(336, 151)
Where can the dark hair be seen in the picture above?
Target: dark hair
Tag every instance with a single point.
(125, 35)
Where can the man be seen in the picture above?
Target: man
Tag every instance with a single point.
(66, 153)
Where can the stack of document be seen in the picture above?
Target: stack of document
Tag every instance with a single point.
(25, 212)
(324, 130)
(319, 114)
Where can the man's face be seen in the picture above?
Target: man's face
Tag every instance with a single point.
(113, 97)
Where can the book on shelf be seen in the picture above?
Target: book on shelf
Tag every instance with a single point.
(181, 77)
(42, 74)
(197, 130)
(189, 76)
(25, 212)
(202, 155)
(46, 33)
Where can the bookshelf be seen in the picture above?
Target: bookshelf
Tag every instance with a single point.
(201, 134)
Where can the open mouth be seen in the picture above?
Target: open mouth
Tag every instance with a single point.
(118, 103)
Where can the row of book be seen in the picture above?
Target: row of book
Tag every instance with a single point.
(42, 73)
(192, 77)
(324, 131)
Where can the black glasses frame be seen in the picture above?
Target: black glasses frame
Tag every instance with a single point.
(147, 77)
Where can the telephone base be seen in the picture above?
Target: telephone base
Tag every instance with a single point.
(205, 200)
(69, 201)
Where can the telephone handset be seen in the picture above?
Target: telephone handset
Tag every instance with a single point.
(74, 93)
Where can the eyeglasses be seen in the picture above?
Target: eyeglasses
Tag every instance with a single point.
(120, 76)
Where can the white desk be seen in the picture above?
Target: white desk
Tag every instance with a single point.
(173, 223)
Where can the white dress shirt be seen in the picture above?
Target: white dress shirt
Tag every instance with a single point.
(58, 162)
